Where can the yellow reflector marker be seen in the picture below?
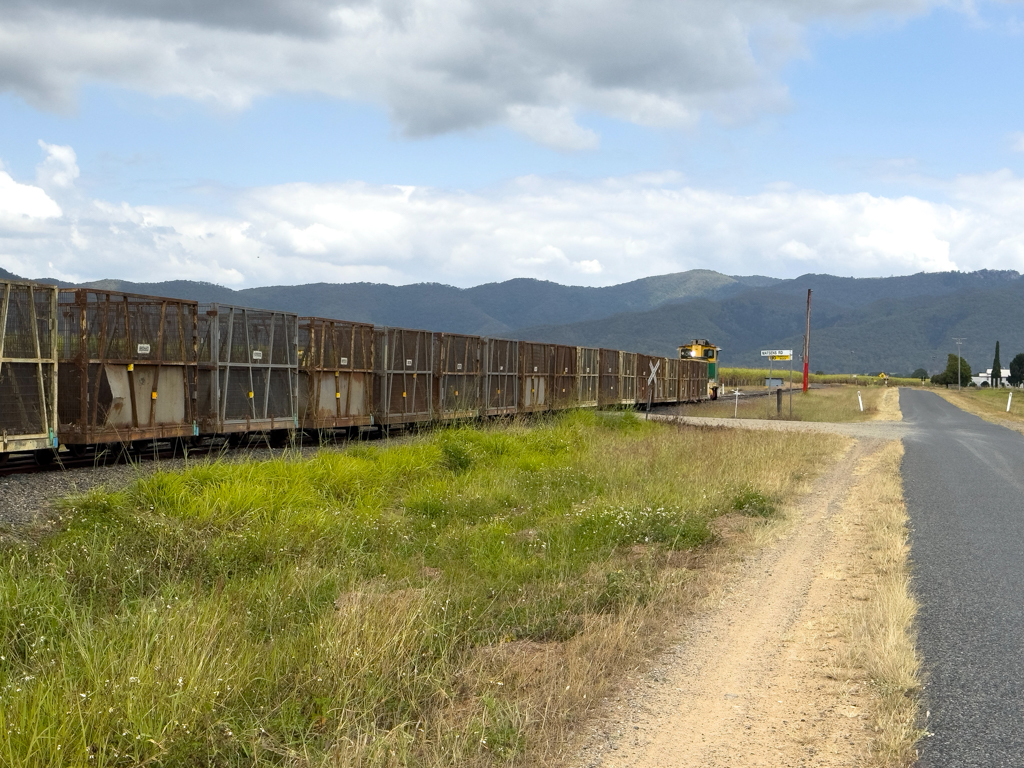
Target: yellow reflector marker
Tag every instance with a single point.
(403, 394)
(337, 395)
(250, 395)
(154, 395)
(131, 366)
(456, 393)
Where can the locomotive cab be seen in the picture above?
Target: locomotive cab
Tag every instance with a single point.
(704, 350)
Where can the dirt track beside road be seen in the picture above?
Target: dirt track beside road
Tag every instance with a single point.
(762, 677)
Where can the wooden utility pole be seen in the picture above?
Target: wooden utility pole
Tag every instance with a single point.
(807, 340)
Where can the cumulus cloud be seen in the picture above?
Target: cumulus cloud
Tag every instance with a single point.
(23, 207)
(59, 169)
(436, 65)
(594, 233)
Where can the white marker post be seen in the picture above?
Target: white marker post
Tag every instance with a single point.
(860, 401)
(736, 408)
(1008, 401)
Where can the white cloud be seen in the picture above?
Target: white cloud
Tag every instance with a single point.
(555, 128)
(23, 206)
(59, 169)
(597, 233)
(436, 65)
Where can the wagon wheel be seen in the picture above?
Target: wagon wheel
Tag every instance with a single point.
(77, 450)
(45, 456)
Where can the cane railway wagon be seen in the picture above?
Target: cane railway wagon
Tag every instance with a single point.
(404, 376)
(248, 370)
(335, 374)
(28, 367)
(459, 378)
(86, 367)
(501, 377)
(126, 369)
(537, 373)
(588, 367)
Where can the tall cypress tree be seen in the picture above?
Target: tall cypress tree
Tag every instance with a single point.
(997, 369)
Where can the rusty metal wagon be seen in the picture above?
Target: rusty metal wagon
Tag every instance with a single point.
(28, 367)
(335, 374)
(403, 376)
(588, 367)
(127, 367)
(459, 376)
(501, 377)
(566, 381)
(536, 376)
(609, 392)
(248, 371)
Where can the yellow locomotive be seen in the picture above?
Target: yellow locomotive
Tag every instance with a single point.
(704, 350)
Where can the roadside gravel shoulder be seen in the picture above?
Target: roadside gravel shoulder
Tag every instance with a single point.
(881, 430)
(768, 675)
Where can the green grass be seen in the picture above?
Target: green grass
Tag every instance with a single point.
(450, 600)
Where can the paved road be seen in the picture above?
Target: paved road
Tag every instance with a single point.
(964, 485)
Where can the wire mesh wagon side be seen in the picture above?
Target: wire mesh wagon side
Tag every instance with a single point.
(459, 361)
(588, 366)
(566, 381)
(28, 367)
(610, 377)
(627, 378)
(403, 375)
(501, 377)
(536, 376)
(127, 367)
(248, 370)
(335, 374)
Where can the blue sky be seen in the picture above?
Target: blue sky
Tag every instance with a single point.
(873, 138)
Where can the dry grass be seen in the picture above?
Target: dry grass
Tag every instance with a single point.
(882, 646)
(889, 406)
(989, 404)
(829, 404)
(754, 377)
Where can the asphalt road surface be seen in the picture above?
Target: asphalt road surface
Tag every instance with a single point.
(964, 487)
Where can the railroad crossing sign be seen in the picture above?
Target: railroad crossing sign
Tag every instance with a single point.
(654, 370)
(777, 354)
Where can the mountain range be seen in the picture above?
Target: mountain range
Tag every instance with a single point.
(896, 324)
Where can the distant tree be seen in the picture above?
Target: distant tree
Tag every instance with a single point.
(1016, 377)
(819, 373)
(948, 376)
(920, 373)
(997, 368)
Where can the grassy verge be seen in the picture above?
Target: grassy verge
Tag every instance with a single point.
(754, 377)
(883, 639)
(460, 599)
(989, 404)
(831, 404)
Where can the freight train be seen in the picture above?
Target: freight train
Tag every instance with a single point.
(82, 368)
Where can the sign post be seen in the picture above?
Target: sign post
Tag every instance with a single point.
(773, 355)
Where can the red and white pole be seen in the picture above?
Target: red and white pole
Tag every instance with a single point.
(807, 341)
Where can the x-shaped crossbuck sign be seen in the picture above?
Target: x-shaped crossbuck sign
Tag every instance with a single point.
(654, 370)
